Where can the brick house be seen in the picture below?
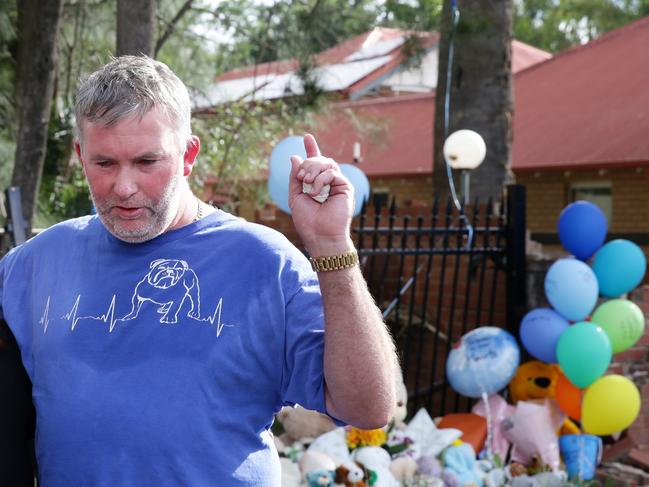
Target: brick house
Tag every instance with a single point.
(383, 104)
(580, 132)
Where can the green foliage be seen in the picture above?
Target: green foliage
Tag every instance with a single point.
(421, 15)
(555, 25)
(7, 76)
(236, 142)
(63, 191)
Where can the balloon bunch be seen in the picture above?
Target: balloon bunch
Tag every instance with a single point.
(581, 337)
(280, 169)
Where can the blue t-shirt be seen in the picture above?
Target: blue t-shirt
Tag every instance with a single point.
(162, 363)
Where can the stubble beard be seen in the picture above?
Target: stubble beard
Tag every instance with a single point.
(160, 213)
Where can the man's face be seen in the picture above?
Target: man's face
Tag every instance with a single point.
(135, 170)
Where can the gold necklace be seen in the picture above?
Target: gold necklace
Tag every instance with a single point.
(199, 210)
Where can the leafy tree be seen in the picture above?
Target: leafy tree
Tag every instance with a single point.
(555, 25)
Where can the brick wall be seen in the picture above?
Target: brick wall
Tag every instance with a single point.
(549, 192)
(634, 363)
(408, 191)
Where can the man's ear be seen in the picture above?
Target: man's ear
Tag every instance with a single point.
(77, 149)
(191, 151)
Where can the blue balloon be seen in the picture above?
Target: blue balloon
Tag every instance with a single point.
(483, 361)
(279, 193)
(540, 331)
(360, 183)
(280, 158)
(619, 266)
(571, 288)
(582, 229)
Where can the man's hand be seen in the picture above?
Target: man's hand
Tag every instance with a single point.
(323, 227)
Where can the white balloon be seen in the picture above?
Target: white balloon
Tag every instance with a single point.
(464, 149)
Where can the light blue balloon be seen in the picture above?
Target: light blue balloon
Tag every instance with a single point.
(280, 158)
(571, 288)
(360, 183)
(483, 361)
(279, 193)
(619, 266)
(540, 331)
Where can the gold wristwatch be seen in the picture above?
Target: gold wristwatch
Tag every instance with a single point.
(334, 262)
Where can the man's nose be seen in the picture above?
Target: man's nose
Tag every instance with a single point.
(125, 184)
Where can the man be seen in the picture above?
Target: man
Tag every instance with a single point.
(161, 336)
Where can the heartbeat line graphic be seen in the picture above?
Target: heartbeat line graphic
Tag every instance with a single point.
(108, 317)
(216, 316)
(45, 319)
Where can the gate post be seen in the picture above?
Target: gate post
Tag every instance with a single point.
(515, 255)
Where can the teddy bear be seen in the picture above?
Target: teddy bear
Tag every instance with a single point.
(300, 423)
(352, 474)
(536, 380)
(320, 478)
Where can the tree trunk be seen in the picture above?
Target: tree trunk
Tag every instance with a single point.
(135, 27)
(481, 91)
(38, 24)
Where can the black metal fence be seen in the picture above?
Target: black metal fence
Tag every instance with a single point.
(439, 274)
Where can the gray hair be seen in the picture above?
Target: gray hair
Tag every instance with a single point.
(131, 86)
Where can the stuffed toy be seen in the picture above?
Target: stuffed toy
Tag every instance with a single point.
(315, 461)
(352, 474)
(460, 466)
(320, 478)
(302, 423)
(401, 407)
(536, 380)
(403, 469)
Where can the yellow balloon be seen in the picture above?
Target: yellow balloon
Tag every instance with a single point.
(610, 405)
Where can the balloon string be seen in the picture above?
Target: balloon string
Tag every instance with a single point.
(455, 13)
(485, 399)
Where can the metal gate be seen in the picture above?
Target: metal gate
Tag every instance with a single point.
(439, 274)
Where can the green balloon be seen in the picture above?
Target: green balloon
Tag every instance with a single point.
(584, 353)
(623, 322)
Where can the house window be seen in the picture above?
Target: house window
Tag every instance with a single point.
(598, 192)
(380, 197)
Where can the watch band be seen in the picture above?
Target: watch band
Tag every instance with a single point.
(334, 262)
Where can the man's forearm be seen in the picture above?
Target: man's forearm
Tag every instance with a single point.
(359, 357)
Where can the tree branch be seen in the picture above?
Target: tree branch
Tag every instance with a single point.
(169, 30)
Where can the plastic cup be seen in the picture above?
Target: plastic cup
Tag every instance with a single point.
(581, 454)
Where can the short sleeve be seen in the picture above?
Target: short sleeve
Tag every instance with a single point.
(303, 372)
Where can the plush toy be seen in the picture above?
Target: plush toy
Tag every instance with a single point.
(302, 423)
(401, 407)
(315, 461)
(536, 380)
(403, 469)
(460, 466)
(320, 478)
(352, 474)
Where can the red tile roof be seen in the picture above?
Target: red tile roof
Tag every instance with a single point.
(398, 135)
(395, 133)
(333, 55)
(587, 107)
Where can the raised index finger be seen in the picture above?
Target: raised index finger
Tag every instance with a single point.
(311, 146)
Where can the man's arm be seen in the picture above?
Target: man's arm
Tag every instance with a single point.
(359, 358)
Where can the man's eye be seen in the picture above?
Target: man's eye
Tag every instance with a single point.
(104, 163)
(147, 162)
